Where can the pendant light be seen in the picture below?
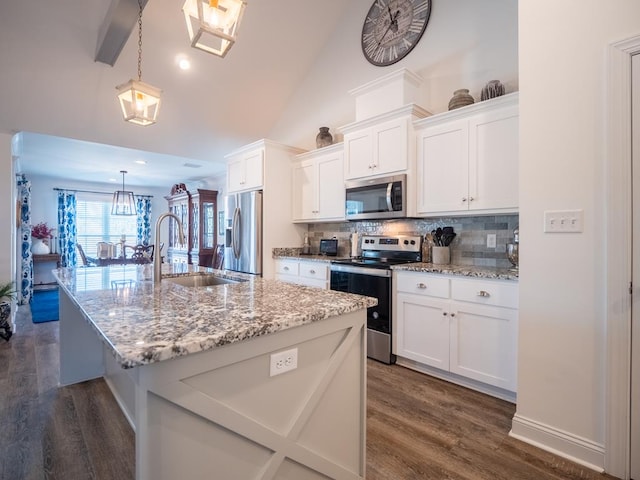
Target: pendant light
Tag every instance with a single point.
(212, 24)
(123, 201)
(140, 102)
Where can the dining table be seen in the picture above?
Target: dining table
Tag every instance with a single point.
(103, 262)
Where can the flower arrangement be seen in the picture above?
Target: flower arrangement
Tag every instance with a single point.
(42, 231)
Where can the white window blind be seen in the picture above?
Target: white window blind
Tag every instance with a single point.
(95, 223)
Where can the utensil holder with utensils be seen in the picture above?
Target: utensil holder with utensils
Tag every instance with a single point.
(441, 238)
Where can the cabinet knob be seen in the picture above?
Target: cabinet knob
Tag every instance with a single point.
(422, 286)
(483, 293)
(452, 314)
(312, 272)
(444, 314)
(464, 199)
(286, 269)
(471, 199)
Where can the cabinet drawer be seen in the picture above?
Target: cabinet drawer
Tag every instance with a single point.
(499, 294)
(287, 267)
(314, 270)
(422, 284)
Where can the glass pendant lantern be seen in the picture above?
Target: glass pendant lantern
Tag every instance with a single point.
(139, 101)
(123, 201)
(212, 24)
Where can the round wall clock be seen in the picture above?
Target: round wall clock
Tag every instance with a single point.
(392, 28)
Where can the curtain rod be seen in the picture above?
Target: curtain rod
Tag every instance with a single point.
(92, 191)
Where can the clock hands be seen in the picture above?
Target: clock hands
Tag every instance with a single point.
(393, 25)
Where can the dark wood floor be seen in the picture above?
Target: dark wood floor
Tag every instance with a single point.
(418, 427)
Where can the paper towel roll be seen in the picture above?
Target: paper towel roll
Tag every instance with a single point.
(355, 244)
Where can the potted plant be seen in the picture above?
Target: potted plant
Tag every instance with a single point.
(7, 294)
(40, 232)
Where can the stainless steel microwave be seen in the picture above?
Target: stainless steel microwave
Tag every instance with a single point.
(376, 198)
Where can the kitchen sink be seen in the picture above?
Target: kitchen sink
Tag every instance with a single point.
(200, 280)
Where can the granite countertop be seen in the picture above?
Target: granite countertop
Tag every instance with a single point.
(461, 270)
(294, 254)
(146, 323)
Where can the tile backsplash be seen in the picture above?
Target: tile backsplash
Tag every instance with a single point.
(468, 248)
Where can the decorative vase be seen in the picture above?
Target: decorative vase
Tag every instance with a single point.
(38, 247)
(5, 324)
(324, 138)
(460, 98)
(492, 89)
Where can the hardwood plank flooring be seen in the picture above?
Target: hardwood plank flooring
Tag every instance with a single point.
(418, 427)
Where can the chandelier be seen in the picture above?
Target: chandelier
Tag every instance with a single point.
(139, 101)
(123, 202)
(212, 24)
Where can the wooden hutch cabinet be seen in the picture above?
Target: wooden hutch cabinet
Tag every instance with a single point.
(198, 213)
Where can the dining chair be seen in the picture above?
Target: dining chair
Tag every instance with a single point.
(86, 261)
(143, 253)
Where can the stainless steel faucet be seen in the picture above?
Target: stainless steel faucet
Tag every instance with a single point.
(157, 259)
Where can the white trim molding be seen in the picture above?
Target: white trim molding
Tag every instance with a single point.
(561, 443)
(618, 247)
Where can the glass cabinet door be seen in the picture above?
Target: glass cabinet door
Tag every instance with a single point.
(208, 225)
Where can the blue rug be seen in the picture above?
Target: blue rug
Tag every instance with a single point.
(44, 306)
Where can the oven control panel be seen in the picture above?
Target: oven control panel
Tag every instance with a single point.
(401, 243)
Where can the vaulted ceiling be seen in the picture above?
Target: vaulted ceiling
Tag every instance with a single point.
(51, 85)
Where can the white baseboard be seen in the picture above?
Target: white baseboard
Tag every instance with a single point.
(565, 444)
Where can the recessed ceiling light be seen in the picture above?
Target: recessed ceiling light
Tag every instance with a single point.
(183, 62)
(141, 162)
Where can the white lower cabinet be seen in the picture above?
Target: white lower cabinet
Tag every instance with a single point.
(311, 274)
(467, 327)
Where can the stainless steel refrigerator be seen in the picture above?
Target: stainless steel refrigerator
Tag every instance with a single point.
(243, 232)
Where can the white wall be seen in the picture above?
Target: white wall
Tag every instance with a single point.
(7, 211)
(466, 44)
(562, 51)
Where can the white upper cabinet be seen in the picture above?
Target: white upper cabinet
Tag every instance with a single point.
(318, 185)
(245, 171)
(381, 145)
(467, 159)
(381, 149)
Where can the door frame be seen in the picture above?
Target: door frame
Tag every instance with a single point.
(618, 251)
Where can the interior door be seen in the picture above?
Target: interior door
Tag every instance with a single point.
(635, 306)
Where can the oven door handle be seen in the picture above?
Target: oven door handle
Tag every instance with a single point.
(373, 272)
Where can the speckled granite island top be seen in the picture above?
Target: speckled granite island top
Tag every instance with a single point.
(462, 270)
(146, 323)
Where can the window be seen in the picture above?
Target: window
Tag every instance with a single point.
(95, 223)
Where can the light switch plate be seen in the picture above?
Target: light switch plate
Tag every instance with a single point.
(563, 221)
(491, 240)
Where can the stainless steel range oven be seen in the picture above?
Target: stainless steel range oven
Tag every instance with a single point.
(370, 275)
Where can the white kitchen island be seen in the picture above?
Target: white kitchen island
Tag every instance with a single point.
(190, 367)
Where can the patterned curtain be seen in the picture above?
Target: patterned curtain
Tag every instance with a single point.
(143, 211)
(25, 289)
(67, 228)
